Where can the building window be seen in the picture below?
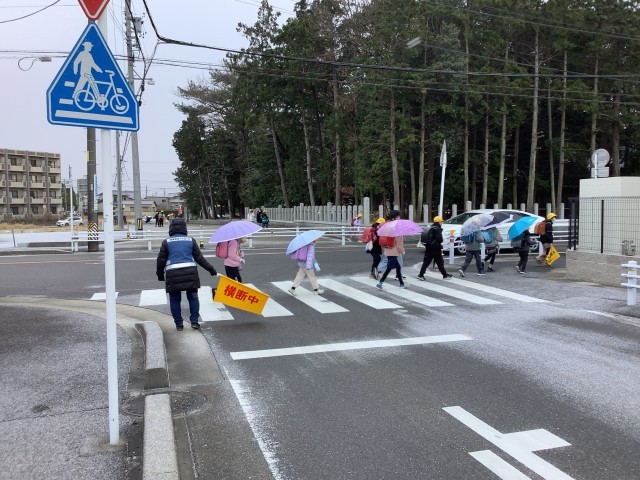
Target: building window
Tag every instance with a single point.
(34, 194)
(52, 164)
(54, 209)
(15, 211)
(14, 193)
(33, 178)
(34, 162)
(13, 177)
(34, 209)
(52, 179)
(52, 194)
(14, 161)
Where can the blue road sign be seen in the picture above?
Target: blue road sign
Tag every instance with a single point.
(90, 89)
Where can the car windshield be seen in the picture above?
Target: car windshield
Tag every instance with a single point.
(460, 219)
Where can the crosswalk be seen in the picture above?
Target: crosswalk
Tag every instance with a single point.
(433, 293)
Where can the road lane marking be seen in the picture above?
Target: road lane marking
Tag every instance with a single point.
(469, 297)
(405, 293)
(272, 308)
(358, 295)
(211, 311)
(519, 445)
(488, 289)
(317, 302)
(338, 347)
(101, 296)
(497, 465)
(157, 296)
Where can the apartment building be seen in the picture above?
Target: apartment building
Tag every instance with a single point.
(30, 184)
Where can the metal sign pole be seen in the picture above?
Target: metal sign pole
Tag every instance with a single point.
(109, 276)
(443, 164)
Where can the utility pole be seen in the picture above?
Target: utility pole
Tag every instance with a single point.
(119, 176)
(135, 158)
(93, 246)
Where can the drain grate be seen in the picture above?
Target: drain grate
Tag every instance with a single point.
(181, 402)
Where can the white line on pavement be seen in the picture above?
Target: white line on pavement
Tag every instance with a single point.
(358, 295)
(211, 311)
(153, 297)
(317, 302)
(497, 465)
(404, 293)
(272, 308)
(469, 297)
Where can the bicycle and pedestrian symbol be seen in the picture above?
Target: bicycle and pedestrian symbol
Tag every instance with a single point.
(90, 89)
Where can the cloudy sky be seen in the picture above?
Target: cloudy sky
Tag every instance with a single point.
(54, 32)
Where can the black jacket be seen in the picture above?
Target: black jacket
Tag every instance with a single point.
(186, 278)
(432, 238)
(548, 232)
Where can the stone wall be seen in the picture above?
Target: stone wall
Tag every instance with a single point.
(590, 266)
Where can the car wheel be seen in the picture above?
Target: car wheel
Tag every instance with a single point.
(461, 249)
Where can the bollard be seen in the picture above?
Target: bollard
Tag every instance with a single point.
(201, 245)
(632, 282)
(452, 242)
(343, 236)
(148, 234)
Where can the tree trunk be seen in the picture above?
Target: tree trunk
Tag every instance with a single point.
(466, 123)
(336, 108)
(423, 129)
(213, 204)
(503, 151)
(429, 181)
(485, 170)
(552, 186)
(594, 115)
(307, 146)
(412, 173)
(563, 120)
(516, 155)
(394, 153)
(283, 186)
(534, 127)
(615, 136)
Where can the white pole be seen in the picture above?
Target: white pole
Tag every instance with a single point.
(109, 275)
(443, 164)
(71, 205)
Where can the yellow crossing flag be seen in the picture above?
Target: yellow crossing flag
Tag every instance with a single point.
(553, 255)
(237, 295)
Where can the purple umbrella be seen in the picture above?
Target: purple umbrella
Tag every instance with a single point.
(233, 230)
(398, 228)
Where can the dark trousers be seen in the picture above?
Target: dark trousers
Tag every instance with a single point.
(233, 273)
(470, 255)
(490, 257)
(393, 263)
(524, 257)
(194, 306)
(376, 261)
(429, 256)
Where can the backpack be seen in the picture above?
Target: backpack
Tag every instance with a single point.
(222, 249)
(428, 237)
(367, 235)
(468, 238)
(353, 222)
(487, 236)
(540, 228)
(387, 242)
(300, 255)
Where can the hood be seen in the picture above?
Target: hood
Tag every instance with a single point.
(177, 226)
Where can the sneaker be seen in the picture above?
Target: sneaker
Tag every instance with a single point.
(481, 274)
(376, 274)
(179, 328)
(403, 285)
(421, 278)
(292, 291)
(318, 291)
(448, 275)
(461, 272)
(522, 272)
(371, 275)
(195, 326)
(379, 285)
(517, 269)
(490, 268)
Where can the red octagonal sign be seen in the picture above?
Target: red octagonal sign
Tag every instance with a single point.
(93, 8)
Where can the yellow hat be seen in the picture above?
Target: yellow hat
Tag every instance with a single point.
(359, 215)
(551, 215)
(380, 220)
(438, 219)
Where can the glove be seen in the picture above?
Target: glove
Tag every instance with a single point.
(213, 272)
(161, 278)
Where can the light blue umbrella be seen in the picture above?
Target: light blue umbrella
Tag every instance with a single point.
(521, 225)
(305, 238)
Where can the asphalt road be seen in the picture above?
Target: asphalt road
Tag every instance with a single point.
(493, 381)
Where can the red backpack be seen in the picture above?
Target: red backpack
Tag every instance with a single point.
(222, 250)
(368, 235)
(387, 242)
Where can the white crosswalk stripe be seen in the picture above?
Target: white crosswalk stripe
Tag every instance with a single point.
(211, 311)
(317, 302)
(272, 308)
(153, 297)
(358, 295)
(101, 296)
(405, 293)
(451, 292)
(492, 290)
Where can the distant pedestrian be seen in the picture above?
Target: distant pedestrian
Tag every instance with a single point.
(235, 259)
(393, 263)
(161, 219)
(307, 266)
(526, 242)
(177, 265)
(264, 219)
(432, 241)
(376, 249)
(492, 239)
(259, 216)
(547, 238)
(156, 217)
(393, 215)
(250, 216)
(472, 250)
(356, 223)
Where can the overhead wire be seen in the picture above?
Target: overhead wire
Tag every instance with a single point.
(30, 14)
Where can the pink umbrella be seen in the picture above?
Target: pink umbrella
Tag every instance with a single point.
(233, 230)
(399, 228)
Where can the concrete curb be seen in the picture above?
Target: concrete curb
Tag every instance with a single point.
(159, 457)
(155, 358)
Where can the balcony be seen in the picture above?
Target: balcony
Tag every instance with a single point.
(37, 201)
(36, 169)
(18, 200)
(17, 168)
(54, 169)
(37, 185)
(55, 201)
(17, 184)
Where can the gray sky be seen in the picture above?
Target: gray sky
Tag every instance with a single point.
(23, 108)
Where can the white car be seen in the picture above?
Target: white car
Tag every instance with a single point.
(455, 223)
(65, 222)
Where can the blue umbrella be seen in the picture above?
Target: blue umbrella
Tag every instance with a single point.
(305, 238)
(521, 225)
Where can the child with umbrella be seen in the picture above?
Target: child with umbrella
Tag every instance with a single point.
(302, 249)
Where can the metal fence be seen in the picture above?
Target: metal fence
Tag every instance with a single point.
(609, 224)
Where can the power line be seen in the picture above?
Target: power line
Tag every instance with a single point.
(30, 14)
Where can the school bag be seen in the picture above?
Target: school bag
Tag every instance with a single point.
(367, 235)
(487, 236)
(353, 222)
(222, 249)
(468, 238)
(539, 229)
(387, 242)
(300, 255)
